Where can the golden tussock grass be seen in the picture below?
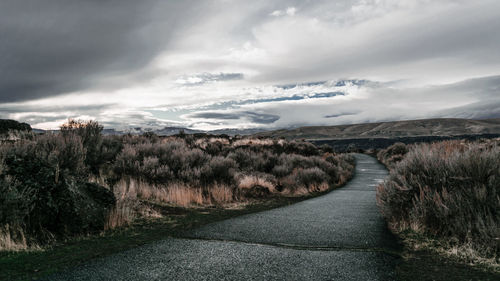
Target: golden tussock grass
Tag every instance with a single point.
(250, 181)
(222, 193)
(122, 214)
(175, 193)
(12, 238)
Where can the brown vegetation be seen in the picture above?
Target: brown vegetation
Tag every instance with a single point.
(447, 192)
(78, 181)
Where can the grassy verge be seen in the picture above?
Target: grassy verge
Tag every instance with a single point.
(30, 265)
(427, 266)
(424, 263)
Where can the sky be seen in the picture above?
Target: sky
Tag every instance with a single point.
(216, 64)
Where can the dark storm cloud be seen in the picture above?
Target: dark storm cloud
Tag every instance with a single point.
(260, 118)
(54, 46)
(77, 109)
(215, 115)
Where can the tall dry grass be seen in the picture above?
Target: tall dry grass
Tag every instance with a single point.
(121, 215)
(12, 238)
(251, 181)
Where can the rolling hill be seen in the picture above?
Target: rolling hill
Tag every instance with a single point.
(396, 129)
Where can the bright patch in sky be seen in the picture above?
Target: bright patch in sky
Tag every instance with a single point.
(247, 64)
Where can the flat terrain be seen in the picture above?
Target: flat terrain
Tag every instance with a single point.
(338, 236)
(411, 128)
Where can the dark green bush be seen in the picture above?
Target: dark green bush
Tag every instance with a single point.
(7, 125)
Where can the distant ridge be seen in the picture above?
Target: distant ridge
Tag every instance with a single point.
(411, 128)
(169, 131)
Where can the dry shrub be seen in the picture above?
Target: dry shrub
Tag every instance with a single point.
(447, 190)
(58, 185)
(321, 187)
(393, 154)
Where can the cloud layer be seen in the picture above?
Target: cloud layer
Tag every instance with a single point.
(223, 63)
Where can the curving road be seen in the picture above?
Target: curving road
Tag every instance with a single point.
(337, 236)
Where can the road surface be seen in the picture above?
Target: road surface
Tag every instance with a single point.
(337, 236)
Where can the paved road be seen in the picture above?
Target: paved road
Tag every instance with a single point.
(338, 236)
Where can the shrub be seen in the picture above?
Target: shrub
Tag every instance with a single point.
(311, 176)
(52, 185)
(447, 190)
(218, 170)
(44, 190)
(90, 133)
(392, 154)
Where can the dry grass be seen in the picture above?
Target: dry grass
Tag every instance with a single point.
(222, 194)
(129, 191)
(254, 141)
(183, 195)
(175, 193)
(122, 214)
(12, 238)
(250, 181)
(466, 252)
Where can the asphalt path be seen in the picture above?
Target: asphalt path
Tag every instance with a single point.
(337, 236)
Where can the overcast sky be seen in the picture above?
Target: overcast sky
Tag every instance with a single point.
(247, 64)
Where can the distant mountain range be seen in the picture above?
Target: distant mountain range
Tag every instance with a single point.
(412, 128)
(169, 131)
(7, 124)
(395, 129)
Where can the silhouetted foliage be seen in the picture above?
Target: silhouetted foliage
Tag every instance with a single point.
(6, 125)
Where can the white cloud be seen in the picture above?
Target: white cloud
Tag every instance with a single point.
(290, 11)
(277, 13)
(412, 44)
